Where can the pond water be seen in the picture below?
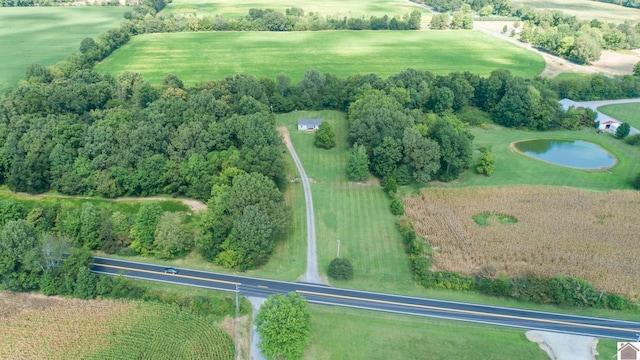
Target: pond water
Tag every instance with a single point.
(571, 153)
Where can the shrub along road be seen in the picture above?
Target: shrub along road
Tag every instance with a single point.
(325, 295)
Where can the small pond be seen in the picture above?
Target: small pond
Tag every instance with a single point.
(571, 153)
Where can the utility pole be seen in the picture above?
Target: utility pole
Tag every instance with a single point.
(236, 323)
(338, 254)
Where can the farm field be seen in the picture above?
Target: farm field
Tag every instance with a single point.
(46, 35)
(624, 112)
(351, 8)
(514, 168)
(198, 57)
(559, 231)
(586, 9)
(357, 214)
(40, 327)
(341, 333)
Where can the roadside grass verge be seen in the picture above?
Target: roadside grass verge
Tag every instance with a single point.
(198, 57)
(624, 112)
(342, 333)
(585, 9)
(338, 8)
(46, 35)
(514, 168)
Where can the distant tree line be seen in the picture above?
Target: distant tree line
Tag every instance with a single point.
(625, 3)
(485, 7)
(293, 19)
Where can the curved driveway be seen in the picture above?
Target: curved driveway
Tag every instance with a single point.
(311, 275)
(594, 105)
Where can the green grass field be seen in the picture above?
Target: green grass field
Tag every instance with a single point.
(624, 112)
(240, 8)
(356, 214)
(513, 168)
(46, 35)
(586, 9)
(198, 57)
(340, 333)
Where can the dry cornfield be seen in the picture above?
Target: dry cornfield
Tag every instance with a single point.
(34, 326)
(560, 231)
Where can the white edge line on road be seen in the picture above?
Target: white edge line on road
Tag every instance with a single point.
(319, 286)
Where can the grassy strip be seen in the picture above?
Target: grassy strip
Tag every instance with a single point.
(624, 112)
(197, 57)
(341, 333)
(46, 35)
(125, 207)
(586, 10)
(240, 8)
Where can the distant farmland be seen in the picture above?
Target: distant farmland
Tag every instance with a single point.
(197, 57)
(240, 8)
(46, 35)
(586, 9)
(559, 231)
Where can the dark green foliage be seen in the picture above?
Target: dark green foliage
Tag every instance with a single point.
(358, 163)
(172, 236)
(340, 269)
(623, 130)
(284, 325)
(442, 279)
(636, 69)
(486, 162)
(636, 182)
(144, 227)
(390, 185)
(633, 139)
(20, 258)
(325, 137)
(11, 210)
(85, 286)
(396, 207)
(455, 148)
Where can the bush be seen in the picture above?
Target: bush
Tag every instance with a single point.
(325, 137)
(615, 302)
(623, 131)
(340, 269)
(633, 140)
(636, 182)
(396, 207)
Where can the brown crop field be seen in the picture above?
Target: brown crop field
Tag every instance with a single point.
(559, 231)
(34, 326)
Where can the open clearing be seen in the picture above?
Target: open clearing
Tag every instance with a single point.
(240, 8)
(46, 35)
(342, 333)
(623, 112)
(586, 9)
(357, 214)
(34, 326)
(198, 57)
(560, 231)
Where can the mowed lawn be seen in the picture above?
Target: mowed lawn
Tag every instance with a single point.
(514, 168)
(198, 57)
(586, 9)
(624, 112)
(240, 8)
(341, 333)
(46, 35)
(357, 214)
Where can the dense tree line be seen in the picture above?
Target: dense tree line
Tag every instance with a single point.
(293, 19)
(484, 7)
(625, 3)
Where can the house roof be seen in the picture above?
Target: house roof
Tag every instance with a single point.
(309, 122)
(609, 122)
(567, 103)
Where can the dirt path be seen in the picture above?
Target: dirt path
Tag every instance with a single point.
(194, 205)
(311, 275)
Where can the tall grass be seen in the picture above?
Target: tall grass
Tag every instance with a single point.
(559, 231)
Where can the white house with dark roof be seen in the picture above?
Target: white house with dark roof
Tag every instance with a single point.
(309, 124)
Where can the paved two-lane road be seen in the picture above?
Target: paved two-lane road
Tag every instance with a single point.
(319, 294)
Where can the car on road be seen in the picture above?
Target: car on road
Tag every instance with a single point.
(171, 271)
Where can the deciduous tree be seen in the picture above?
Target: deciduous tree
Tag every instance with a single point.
(284, 325)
